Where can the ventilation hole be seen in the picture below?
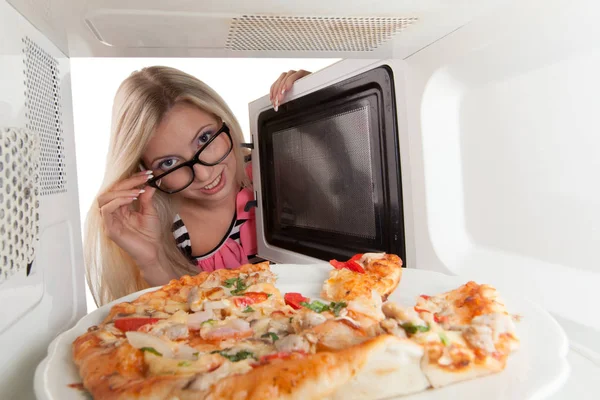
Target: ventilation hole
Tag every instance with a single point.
(18, 202)
(45, 114)
(280, 33)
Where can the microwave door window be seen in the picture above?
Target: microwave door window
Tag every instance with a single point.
(323, 175)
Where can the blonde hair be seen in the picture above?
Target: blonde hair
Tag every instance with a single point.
(141, 102)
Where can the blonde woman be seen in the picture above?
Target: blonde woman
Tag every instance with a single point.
(175, 188)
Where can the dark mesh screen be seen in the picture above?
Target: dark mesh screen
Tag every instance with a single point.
(323, 175)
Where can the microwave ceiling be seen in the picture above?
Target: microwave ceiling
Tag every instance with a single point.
(238, 28)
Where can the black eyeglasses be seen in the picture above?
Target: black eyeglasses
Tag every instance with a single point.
(213, 152)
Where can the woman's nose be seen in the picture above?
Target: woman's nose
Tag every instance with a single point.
(203, 173)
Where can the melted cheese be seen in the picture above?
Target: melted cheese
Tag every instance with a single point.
(370, 307)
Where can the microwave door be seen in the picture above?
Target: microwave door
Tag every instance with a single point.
(327, 173)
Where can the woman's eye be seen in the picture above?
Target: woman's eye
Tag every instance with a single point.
(167, 164)
(205, 137)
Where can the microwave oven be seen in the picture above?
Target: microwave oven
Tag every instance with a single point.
(461, 135)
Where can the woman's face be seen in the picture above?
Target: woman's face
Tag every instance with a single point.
(184, 129)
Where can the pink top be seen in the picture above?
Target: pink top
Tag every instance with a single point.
(238, 246)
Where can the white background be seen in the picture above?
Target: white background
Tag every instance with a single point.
(95, 82)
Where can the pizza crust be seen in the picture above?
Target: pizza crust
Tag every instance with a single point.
(390, 364)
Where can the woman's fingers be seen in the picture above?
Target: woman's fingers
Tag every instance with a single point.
(289, 80)
(284, 84)
(110, 196)
(275, 89)
(146, 200)
(132, 182)
(109, 208)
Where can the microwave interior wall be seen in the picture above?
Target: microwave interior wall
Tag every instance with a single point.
(499, 167)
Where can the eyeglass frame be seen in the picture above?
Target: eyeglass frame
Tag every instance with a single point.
(195, 160)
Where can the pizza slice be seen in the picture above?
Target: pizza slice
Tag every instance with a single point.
(476, 310)
(465, 333)
(361, 275)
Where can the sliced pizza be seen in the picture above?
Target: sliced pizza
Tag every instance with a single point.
(231, 334)
(465, 333)
(362, 274)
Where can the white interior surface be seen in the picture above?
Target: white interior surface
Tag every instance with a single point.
(183, 28)
(504, 162)
(52, 298)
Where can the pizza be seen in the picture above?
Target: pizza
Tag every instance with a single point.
(231, 334)
(361, 275)
(466, 333)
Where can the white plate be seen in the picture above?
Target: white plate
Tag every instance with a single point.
(536, 371)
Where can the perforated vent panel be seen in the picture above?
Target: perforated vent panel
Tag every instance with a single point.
(44, 115)
(19, 152)
(277, 33)
(324, 177)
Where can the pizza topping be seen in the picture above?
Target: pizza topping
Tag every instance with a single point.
(196, 319)
(256, 277)
(480, 336)
(263, 287)
(499, 323)
(391, 326)
(151, 350)
(307, 319)
(235, 357)
(173, 306)
(336, 308)
(216, 305)
(367, 258)
(370, 307)
(292, 343)
(349, 321)
(141, 340)
(402, 314)
(237, 284)
(271, 335)
(351, 264)
(249, 298)
(171, 330)
(444, 338)
(316, 306)
(295, 300)
(106, 337)
(279, 325)
(412, 329)
(133, 324)
(232, 328)
(260, 326)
